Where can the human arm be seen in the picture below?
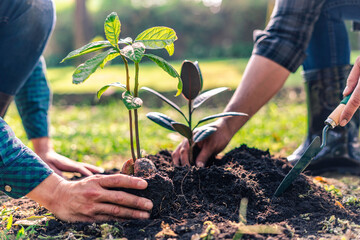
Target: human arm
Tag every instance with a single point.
(262, 79)
(33, 102)
(352, 86)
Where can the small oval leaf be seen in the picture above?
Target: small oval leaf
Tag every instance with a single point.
(200, 74)
(88, 48)
(83, 71)
(226, 114)
(203, 133)
(112, 28)
(109, 57)
(206, 95)
(161, 119)
(104, 88)
(182, 129)
(127, 41)
(134, 52)
(191, 80)
(130, 101)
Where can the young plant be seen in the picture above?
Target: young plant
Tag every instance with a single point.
(133, 50)
(192, 83)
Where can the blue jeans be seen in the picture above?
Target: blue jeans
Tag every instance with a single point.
(329, 44)
(25, 26)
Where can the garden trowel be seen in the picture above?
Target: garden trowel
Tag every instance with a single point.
(313, 149)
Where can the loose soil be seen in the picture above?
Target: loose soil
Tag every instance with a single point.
(204, 203)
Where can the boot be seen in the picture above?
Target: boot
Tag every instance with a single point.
(324, 89)
(5, 100)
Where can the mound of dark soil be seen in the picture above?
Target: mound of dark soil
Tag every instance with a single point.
(186, 197)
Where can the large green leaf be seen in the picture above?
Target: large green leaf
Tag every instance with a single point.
(167, 68)
(88, 48)
(104, 88)
(203, 133)
(161, 119)
(191, 80)
(83, 71)
(130, 101)
(112, 28)
(206, 95)
(165, 99)
(157, 38)
(134, 52)
(226, 114)
(182, 129)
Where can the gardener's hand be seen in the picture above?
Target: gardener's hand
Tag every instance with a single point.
(44, 149)
(91, 200)
(352, 86)
(209, 147)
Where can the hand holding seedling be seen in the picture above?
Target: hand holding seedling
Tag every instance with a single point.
(352, 86)
(91, 200)
(192, 83)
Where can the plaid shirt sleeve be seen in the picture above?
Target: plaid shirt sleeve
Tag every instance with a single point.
(33, 101)
(288, 33)
(21, 170)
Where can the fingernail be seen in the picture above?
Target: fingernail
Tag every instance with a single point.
(343, 123)
(148, 205)
(142, 184)
(345, 90)
(101, 170)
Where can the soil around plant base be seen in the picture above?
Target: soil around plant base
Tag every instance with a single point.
(187, 197)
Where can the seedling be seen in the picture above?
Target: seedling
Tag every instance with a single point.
(192, 83)
(133, 50)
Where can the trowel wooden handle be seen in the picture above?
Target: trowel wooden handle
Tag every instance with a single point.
(334, 117)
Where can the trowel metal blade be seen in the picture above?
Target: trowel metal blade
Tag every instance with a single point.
(312, 150)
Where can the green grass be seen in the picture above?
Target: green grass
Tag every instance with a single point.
(216, 73)
(99, 134)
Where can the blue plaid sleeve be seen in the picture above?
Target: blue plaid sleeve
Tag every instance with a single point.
(288, 33)
(21, 170)
(33, 102)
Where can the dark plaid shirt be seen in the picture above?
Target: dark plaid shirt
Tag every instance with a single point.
(288, 33)
(21, 170)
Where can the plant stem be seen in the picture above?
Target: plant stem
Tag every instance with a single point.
(136, 94)
(130, 114)
(191, 157)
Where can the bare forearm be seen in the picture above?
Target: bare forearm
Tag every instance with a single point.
(262, 79)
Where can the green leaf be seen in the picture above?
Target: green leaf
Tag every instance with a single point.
(134, 52)
(165, 99)
(104, 88)
(112, 27)
(206, 95)
(109, 57)
(9, 223)
(161, 119)
(191, 80)
(182, 129)
(130, 101)
(167, 68)
(170, 49)
(203, 133)
(83, 71)
(88, 48)
(226, 114)
(157, 38)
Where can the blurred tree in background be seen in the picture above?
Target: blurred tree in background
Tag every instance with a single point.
(206, 28)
